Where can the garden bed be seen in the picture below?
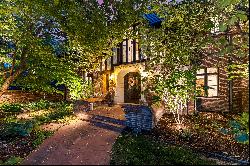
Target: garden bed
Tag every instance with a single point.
(22, 127)
(203, 132)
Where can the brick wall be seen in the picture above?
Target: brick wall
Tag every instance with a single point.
(240, 94)
(240, 90)
(16, 96)
(245, 94)
(214, 104)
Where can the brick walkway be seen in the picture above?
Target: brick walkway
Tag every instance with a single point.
(86, 142)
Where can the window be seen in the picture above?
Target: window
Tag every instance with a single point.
(115, 55)
(130, 50)
(109, 63)
(124, 51)
(103, 65)
(137, 50)
(207, 82)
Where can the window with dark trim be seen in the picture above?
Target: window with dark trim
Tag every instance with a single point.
(137, 52)
(124, 51)
(207, 82)
(109, 63)
(115, 53)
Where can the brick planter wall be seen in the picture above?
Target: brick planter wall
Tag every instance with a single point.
(17, 96)
(138, 117)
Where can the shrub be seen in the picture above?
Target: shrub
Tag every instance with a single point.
(15, 129)
(244, 121)
(62, 110)
(41, 104)
(239, 128)
(40, 137)
(11, 108)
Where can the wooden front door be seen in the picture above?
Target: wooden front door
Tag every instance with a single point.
(132, 87)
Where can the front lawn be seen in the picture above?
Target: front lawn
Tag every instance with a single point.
(21, 127)
(130, 149)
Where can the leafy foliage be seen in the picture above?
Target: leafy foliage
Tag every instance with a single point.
(41, 104)
(40, 137)
(32, 48)
(12, 161)
(240, 128)
(17, 133)
(189, 31)
(11, 107)
(91, 31)
(55, 115)
(14, 129)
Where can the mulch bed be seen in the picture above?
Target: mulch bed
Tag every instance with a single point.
(20, 147)
(202, 133)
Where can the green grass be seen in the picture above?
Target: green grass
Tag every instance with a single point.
(141, 150)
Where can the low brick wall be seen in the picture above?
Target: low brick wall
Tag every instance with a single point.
(18, 96)
(138, 117)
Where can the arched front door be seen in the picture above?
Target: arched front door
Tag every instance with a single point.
(132, 87)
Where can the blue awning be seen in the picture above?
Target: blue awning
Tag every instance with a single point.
(153, 19)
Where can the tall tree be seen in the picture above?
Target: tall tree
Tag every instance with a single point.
(30, 52)
(92, 30)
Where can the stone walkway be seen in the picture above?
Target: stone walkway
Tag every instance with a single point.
(88, 141)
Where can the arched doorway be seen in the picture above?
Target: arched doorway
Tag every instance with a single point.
(132, 87)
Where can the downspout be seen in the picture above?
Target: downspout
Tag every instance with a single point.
(230, 95)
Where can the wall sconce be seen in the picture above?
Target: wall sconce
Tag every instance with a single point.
(111, 77)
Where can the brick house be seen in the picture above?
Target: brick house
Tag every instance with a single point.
(124, 69)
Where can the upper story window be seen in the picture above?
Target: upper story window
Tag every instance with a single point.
(130, 50)
(103, 65)
(115, 53)
(207, 82)
(137, 49)
(109, 63)
(124, 51)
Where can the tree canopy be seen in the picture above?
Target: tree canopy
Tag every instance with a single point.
(190, 29)
(91, 30)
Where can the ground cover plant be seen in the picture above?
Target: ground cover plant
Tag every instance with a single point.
(21, 130)
(143, 149)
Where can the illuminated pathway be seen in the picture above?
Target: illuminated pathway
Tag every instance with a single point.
(86, 142)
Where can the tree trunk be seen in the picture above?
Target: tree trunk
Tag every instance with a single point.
(65, 93)
(12, 76)
(8, 81)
